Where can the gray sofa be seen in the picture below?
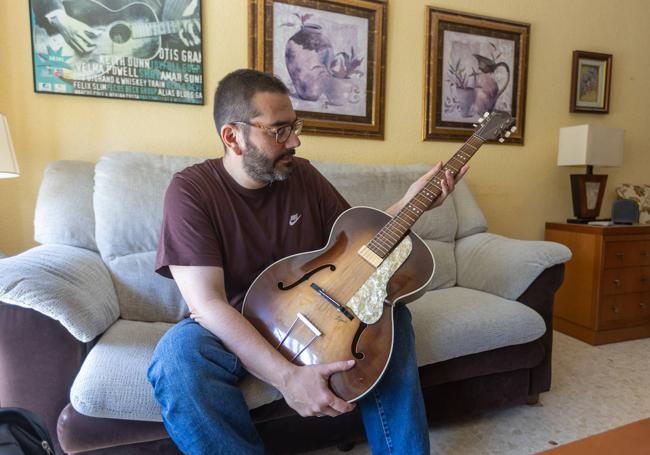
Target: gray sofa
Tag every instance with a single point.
(81, 313)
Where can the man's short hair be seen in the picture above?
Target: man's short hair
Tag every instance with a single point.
(234, 94)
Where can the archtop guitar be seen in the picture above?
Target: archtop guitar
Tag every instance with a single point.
(337, 303)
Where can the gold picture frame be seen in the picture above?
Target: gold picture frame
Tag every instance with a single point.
(331, 54)
(473, 64)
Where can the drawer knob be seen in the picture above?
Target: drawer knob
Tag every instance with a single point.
(616, 309)
(643, 279)
(617, 282)
(619, 255)
(644, 253)
(643, 306)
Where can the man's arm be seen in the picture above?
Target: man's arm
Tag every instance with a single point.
(447, 187)
(52, 15)
(304, 388)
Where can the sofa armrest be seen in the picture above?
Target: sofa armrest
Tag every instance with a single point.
(503, 266)
(68, 284)
(540, 296)
(39, 360)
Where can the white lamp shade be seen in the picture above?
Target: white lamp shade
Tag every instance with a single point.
(8, 163)
(593, 145)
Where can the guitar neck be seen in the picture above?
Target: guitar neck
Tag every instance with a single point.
(393, 232)
(151, 29)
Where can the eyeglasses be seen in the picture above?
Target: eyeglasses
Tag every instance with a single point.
(281, 133)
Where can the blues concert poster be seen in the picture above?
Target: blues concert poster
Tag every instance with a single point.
(126, 49)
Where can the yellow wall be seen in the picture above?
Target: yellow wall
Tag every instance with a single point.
(519, 188)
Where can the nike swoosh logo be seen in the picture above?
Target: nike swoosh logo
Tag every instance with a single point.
(294, 219)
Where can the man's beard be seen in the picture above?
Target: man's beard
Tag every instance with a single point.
(263, 169)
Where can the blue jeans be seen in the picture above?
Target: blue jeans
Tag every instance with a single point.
(195, 380)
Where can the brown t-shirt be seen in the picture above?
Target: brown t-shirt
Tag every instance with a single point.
(211, 220)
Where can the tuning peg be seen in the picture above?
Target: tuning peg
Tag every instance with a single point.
(474, 125)
(486, 115)
(513, 129)
(480, 119)
(508, 134)
(502, 140)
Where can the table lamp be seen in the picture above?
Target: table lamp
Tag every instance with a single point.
(8, 163)
(589, 145)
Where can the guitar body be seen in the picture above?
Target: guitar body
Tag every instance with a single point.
(121, 33)
(117, 29)
(284, 304)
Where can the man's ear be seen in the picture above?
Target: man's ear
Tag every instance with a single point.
(229, 135)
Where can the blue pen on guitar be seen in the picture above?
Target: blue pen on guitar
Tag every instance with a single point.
(336, 304)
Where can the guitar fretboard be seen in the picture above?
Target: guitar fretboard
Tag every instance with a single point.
(393, 232)
(147, 29)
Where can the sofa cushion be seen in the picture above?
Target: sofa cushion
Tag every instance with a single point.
(143, 294)
(444, 275)
(639, 194)
(68, 284)
(380, 186)
(455, 322)
(448, 323)
(129, 194)
(64, 208)
(504, 266)
(112, 382)
(470, 217)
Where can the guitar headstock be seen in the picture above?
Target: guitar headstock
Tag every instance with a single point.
(495, 125)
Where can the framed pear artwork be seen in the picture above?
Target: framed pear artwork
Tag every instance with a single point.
(330, 54)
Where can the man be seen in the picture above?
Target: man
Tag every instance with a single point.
(225, 220)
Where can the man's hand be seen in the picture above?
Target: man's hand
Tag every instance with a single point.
(306, 390)
(189, 32)
(190, 28)
(446, 185)
(77, 34)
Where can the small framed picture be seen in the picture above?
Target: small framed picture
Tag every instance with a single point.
(474, 64)
(591, 75)
(331, 56)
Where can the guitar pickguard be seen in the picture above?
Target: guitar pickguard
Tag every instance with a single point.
(368, 302)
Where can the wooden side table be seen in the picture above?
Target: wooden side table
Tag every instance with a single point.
(630, 439)
(605, 296)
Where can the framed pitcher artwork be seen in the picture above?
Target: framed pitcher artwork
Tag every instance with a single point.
(330, 54)
(473, 64)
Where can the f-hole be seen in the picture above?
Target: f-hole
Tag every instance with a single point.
(305, 277)
(355, 341)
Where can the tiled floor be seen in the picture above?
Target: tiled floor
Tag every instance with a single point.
(594, 388)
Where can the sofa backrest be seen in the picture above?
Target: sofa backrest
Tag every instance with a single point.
(125, 209)
(64, 208)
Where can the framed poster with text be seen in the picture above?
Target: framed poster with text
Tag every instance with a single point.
(139, 50)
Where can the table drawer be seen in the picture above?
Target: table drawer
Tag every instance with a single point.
(626, 308)
(624, 254)
(623, 281)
